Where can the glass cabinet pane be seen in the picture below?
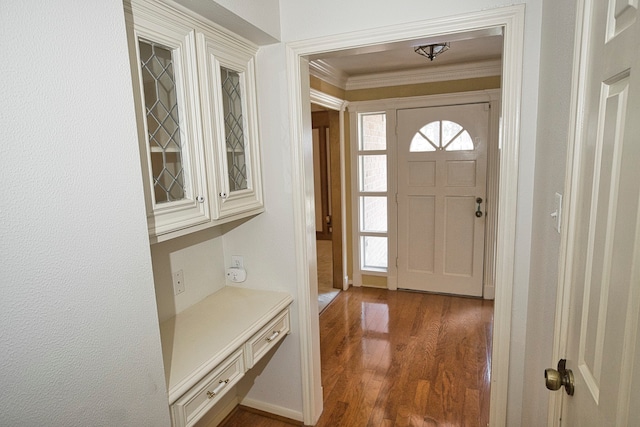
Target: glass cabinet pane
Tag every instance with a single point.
(234, 129)
(163, 123)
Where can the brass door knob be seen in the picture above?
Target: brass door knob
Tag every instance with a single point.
(562, 377)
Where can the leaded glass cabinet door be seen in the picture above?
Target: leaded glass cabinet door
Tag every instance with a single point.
(230, 123)
(171, 147)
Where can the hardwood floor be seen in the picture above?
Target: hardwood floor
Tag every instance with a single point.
(402, 359)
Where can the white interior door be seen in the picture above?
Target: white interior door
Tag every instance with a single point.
(442, 155)
(603, 240)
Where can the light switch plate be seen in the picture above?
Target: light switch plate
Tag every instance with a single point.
(557, 214)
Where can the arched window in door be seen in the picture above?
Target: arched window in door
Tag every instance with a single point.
(441, 135)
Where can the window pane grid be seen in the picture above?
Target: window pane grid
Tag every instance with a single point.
(373, 214)
(441, 135)
(374, 252)
(371, 191)
(373, 173)
(373, 132)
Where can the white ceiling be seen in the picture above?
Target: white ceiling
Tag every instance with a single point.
(474, 47)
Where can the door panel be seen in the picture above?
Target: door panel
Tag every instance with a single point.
(461, 173)
(422, 174)
(458, 236)
(604, 236)
(421, 222)
(441, 172)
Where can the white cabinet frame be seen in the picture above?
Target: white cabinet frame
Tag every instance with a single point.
(199, 48)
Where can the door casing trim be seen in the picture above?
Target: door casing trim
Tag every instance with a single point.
(511, 20)
(339, 105)
(572, 177)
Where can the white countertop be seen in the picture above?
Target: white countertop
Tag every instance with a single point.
(199, 338)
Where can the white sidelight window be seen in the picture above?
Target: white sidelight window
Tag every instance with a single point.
(372, 192)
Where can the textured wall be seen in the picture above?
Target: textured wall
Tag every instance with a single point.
(79, 342)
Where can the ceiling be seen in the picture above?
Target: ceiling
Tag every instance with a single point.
(472, 47)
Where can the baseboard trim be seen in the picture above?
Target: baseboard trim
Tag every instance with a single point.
(272, 409)
(489, 293)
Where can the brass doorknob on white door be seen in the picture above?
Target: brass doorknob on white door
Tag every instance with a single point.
(562, 377)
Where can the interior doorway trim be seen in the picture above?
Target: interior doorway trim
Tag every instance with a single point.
(511, 20)
(340, 105)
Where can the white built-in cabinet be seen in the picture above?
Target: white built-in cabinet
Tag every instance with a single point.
(194, 87)
(208, 348)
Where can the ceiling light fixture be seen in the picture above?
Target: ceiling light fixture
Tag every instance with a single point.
(432, 50)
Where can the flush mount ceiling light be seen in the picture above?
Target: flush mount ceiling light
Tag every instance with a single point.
(432, 50)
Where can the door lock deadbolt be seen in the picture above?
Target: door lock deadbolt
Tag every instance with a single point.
(479, 207)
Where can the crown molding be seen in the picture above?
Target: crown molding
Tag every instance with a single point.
(433, 74)
(469, 70)
(327, 101)
(328, 73)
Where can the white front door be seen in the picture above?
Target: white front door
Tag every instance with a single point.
(442, 156)
(602, 268)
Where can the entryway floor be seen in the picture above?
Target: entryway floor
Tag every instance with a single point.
(396, 358)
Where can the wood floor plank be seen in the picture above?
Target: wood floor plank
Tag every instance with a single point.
(396, 358)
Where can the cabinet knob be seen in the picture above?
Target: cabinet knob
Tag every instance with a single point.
(200, 199)
(223, 195)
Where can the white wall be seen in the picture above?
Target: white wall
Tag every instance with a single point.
(200, 256)
(255, 20)
(267, 241)
(264, 14)
(558, 23)
(79, 342)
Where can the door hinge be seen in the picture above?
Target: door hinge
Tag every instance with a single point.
(396, 262)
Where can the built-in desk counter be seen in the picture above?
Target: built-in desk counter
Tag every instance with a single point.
(208, 347)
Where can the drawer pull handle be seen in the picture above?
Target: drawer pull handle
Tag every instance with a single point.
(273, 336)
(216, 390)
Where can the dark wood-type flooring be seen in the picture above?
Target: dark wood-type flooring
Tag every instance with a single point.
(397, 358)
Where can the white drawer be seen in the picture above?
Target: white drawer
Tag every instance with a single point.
(267, 337)
(201, 397)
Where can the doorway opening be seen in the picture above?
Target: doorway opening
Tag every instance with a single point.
(326, 129)
(509, 21)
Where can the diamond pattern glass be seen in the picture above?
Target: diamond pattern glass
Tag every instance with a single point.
(234, 129)
(163, 124)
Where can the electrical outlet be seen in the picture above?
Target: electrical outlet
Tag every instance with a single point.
(237, 261)
(178, 282)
